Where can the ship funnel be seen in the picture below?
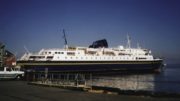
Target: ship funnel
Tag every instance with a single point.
(99, 44)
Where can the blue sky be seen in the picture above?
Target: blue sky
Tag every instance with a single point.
(36, 24)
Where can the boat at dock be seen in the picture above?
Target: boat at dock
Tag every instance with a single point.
(98, 57)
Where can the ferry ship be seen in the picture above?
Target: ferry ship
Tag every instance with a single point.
(95, 58)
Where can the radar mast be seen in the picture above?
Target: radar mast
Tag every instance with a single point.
(65, 40)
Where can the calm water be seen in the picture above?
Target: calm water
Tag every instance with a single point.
(167, 81)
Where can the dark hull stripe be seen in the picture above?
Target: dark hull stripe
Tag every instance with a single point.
(84, 62)
(92, 66)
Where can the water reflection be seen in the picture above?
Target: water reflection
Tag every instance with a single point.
(167, 81)
(126, 82)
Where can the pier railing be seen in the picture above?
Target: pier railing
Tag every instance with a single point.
(135, 84)
(63, 79)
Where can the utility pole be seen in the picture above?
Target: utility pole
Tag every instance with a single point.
(2, 53)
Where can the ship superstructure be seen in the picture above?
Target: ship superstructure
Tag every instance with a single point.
(90, 54)
(96, 57)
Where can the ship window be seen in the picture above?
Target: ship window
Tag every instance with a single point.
(142, 58)
(55, 52)
(41, 57)
(70, 53)
(49, 52)
(8, 69)
(49, 57)
(36, 57)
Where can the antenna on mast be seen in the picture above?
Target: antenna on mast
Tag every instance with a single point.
(128, 41)
(138, 46)
(26, 49)
(65, 40)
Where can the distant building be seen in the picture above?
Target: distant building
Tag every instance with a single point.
(6, 58)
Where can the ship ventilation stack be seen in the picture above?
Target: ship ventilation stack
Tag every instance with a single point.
(99, 44)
